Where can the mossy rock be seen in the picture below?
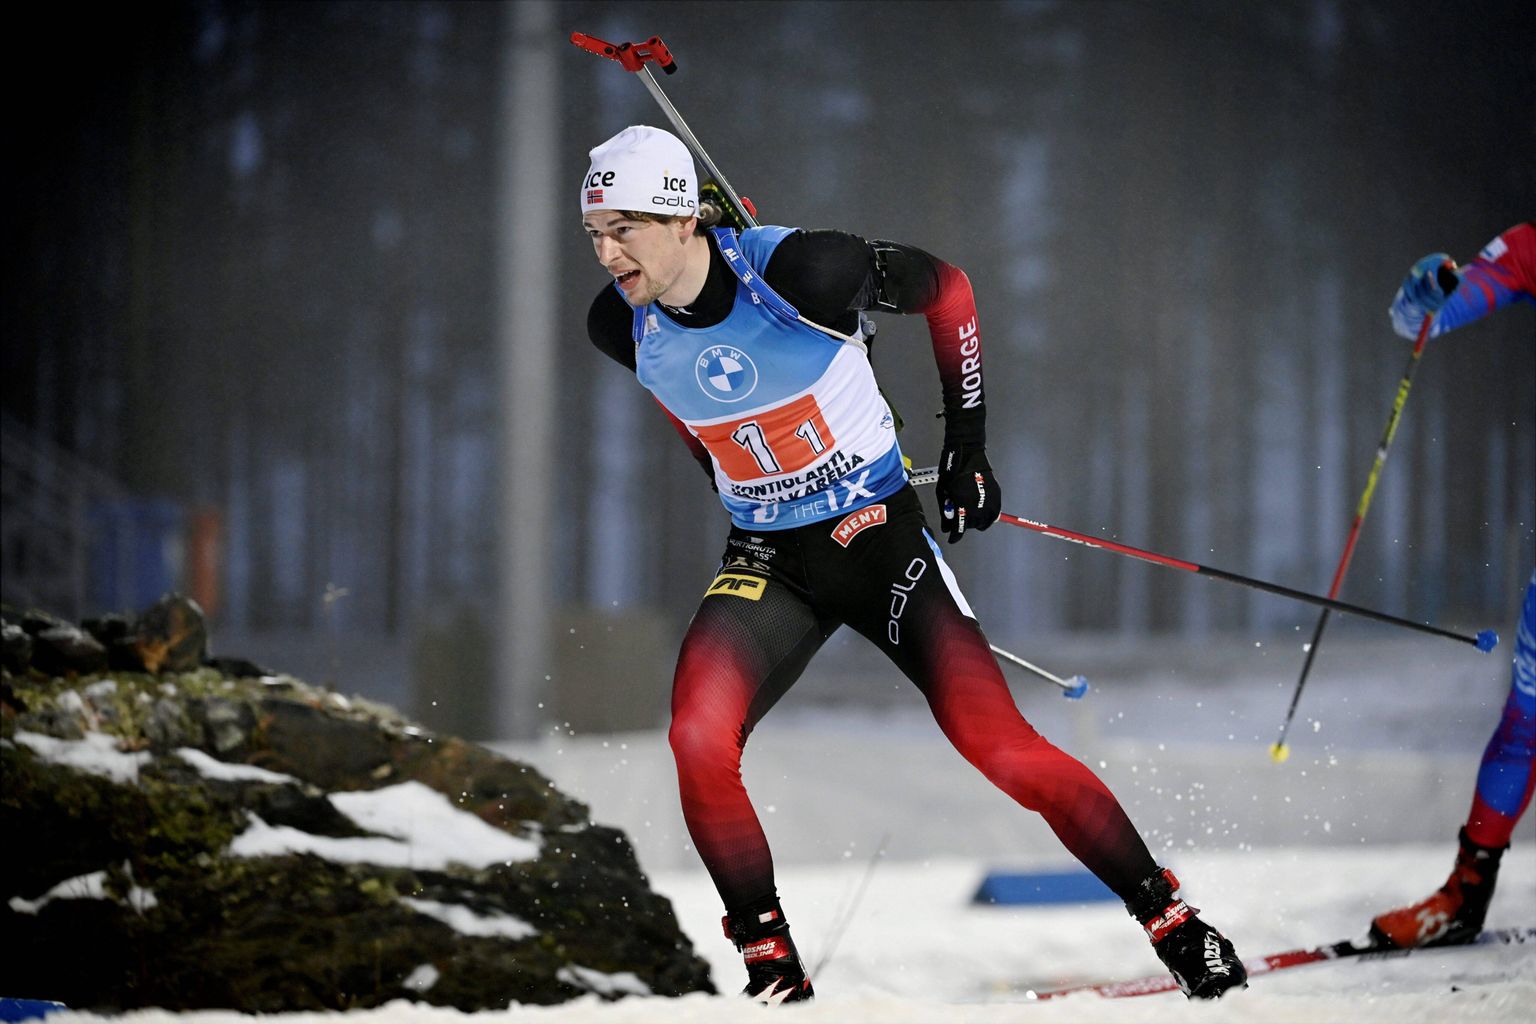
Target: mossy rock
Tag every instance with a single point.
(168, 916)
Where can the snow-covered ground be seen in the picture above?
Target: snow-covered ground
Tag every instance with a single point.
(916, 950)
(1362, 817)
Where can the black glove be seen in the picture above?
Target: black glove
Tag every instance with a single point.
(968, 493)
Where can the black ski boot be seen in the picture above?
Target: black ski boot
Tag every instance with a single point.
(774, 971)
(1453, 914)
(1198, 956)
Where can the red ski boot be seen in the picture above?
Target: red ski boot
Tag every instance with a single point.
(1453, 914)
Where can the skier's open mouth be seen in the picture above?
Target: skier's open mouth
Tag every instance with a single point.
(628, 278)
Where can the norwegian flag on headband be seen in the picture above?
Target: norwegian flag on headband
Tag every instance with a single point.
(594, 196)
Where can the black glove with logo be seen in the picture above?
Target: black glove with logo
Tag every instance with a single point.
(968, 493)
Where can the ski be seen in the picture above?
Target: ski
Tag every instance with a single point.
(1154, 984)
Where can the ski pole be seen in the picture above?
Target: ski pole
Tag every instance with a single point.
(1279, 751)
(1485, 640)
(840, 925)
(1072, 689)
(634, 57)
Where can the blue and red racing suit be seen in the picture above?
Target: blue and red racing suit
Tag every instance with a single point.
(1503, 273)
(826, 532)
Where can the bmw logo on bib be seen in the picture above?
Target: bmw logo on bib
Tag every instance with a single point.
(726, 373)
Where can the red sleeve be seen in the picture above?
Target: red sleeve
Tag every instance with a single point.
(1516, 263)
(952, 324)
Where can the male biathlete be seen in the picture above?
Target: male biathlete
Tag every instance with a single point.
(751, 345)
(1503, 273)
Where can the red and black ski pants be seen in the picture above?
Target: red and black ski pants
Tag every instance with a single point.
(777, 598)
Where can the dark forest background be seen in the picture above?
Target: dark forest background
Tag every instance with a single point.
(251, 280)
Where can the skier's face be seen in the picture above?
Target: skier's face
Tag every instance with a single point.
(645, 257)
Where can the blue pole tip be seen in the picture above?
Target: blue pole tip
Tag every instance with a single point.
(1487, 640)
(1077, 689)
